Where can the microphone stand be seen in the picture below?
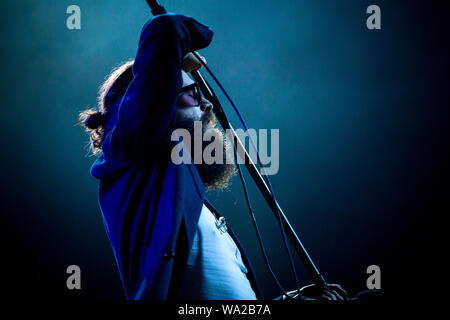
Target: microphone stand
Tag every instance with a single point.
(209, 94)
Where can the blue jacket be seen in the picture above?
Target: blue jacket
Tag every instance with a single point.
(151, 206)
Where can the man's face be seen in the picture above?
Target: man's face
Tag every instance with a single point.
(192, 107)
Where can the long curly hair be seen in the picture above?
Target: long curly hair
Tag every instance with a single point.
(99, 121)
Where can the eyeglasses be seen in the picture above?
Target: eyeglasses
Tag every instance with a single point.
(196, 91)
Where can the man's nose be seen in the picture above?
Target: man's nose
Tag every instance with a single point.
(206, 106)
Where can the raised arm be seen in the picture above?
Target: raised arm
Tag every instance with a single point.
(147, 111)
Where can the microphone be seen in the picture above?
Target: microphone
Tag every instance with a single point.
(156, 8)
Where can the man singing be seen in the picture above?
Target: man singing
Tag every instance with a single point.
(167, 238)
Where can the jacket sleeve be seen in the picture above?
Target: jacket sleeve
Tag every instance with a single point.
(147, 111)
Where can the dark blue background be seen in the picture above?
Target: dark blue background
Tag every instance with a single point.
(363, 119)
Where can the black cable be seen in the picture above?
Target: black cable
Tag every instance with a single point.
(255, 225)
(211, 95)
(266, 178)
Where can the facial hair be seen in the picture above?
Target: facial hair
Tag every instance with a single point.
(215, 175)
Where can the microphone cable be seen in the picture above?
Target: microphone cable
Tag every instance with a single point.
(266, 179)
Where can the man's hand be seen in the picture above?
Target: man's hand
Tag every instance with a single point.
(312, 292)
(191, 63)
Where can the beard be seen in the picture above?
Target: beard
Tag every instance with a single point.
(214, 175)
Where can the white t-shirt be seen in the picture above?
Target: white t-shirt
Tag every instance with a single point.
(215, 270)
